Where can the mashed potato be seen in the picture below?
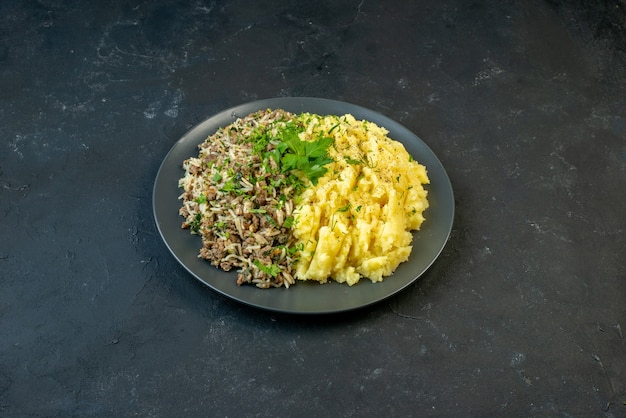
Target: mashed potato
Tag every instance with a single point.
(357, 221)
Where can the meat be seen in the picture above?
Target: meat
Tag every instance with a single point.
(232, 199)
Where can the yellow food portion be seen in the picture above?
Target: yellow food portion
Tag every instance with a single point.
(357, 220)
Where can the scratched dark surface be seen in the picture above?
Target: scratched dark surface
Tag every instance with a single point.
(523, 314)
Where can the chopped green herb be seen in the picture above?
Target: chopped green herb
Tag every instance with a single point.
(293, 250)
(345, 208)
(333, 128)
(289, 222)
(200, 199)
(230, 186)
(270, 220)
(196, 223)
(352, 161)
(277, 183)
(272, 269)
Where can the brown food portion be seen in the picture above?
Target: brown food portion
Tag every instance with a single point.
(231, 200)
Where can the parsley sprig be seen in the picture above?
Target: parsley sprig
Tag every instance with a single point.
(291, 153)
(310, 157)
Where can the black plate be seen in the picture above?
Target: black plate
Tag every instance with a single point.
(303, 297)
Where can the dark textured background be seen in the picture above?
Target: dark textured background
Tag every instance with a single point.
(523, 314)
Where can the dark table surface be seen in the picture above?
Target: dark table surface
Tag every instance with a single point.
(523, 314)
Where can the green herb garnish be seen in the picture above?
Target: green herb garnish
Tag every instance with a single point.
(196, 223)
(352, 161)
(289, 222)
(345, 208)
(309, 157)
(272, 269)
